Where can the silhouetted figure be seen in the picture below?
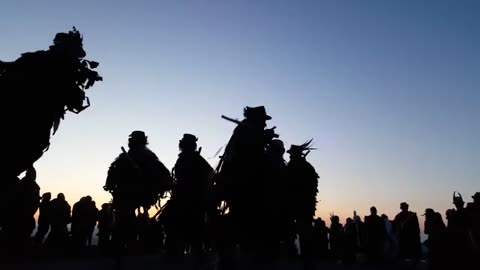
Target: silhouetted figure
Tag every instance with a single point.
(60, 218)
(106, 221)
(336, 237)
(458, 234)
(44, 218)
(350, 232)
(136, 179)
(436, 231)
(303, 188)
(185, 227)
(239, 180)
(278, 224)
(42, 86)
(473, 210)
(84, 219)
(19, 225)
(92, 218)
(408, 230)
(391, 241)
(375, 233)
(320, 239)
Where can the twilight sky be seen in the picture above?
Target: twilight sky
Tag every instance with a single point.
(389, 90)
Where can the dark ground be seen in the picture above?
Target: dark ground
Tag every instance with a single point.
(162, 262)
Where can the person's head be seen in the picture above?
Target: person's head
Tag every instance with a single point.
(404, 206)
(449, 213)
(334, 219)
(61, 197)
(47, 196)
(70, 43)
(384, 216)
(429, 213)
(476, 198)
(276, 148)
(188, 143)
(257, 116)
(137, 139)
(31, 174)
(373, 210)
(88, 198)
(298, 151)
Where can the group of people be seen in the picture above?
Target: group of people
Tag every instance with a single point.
(253, 201)
(239, 204)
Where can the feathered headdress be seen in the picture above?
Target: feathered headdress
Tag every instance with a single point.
(307, 146)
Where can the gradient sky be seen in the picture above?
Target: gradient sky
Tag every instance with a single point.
(389, 90)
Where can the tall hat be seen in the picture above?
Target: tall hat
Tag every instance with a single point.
(189, 138)
(299, 149)
(457, 199)
(256, 113)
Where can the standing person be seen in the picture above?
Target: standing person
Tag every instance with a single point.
(278, 223)
(44, 218)
(408, 230)
(391, 242)
(60, 218)
(239, 181)
(435, 229)
(304, 187)
(188, 203)
(106, 221)
(375, 230)
(136, 179)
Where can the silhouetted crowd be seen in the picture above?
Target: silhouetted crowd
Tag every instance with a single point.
(254, 202)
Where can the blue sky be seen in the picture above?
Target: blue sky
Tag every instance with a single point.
(389, 90)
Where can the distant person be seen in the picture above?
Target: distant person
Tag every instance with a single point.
(20, 224)
(473, 210)
(375, 234)
(336, 237)
(391, 241)
(320, 239)
(350, 233)
(278, 223)
(408, 230)
(459, 242)
(44, 218)
(60, 218)
(91, 221)
(436, 231)
(106, 222)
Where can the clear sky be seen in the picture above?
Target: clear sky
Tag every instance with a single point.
(389, 90)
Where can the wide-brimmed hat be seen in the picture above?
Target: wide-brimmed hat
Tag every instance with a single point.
(137, 134)
(256, 113)
(189, 138)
